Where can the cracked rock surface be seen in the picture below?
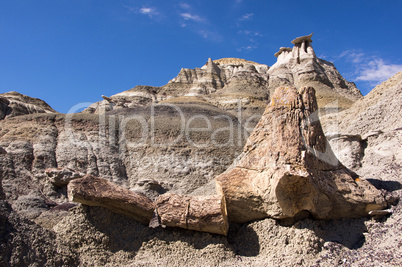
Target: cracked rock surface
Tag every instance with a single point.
(288, 168)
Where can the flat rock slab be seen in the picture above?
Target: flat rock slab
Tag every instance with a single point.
(299, 40)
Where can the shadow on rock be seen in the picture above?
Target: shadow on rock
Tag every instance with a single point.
(386, 185)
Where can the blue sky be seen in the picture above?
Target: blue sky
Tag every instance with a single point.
(71, 51)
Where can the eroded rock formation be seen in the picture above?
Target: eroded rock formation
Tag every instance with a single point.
(367, 137)
(299, 66)
(176, 158)
(230, 82)
(223, 83)
(16, 104)
(82, 235)
(288, 168)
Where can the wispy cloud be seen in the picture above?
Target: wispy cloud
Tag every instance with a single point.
(192, 17)
(378, 71)
(250, 40)
(246, 16)
(247, 48)
(354, 56)
(151, 12)
(371, 69)
(184, 15)
(198, 24)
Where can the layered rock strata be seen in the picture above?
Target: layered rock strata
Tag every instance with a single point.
(299, 66)
(225, 83)
(2, 195)
(231, 82)
(16, 104)
(288, 168)
(147, 149)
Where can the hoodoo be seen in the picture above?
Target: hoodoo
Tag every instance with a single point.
(288, 168)
(299, 66)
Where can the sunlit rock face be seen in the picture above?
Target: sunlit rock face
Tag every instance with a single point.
(367, 137)
(225, 98)
(299, 66)
(15, 104)
(288, 168)
(230, 83)
(227, 83)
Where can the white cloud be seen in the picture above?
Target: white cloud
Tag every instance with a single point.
(193, 17)
(378, 71)
(247, 48)
(145, 10)
(150, 11)
(354, 56)
(371, 69)
(246, 16)
(249, 40)
(198, 24)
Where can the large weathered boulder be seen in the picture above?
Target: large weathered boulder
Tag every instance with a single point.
(200, 213)
(288, 168)
(93, 191)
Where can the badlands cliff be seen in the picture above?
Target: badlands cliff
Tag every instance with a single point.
(229, 82)
(182, 138)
